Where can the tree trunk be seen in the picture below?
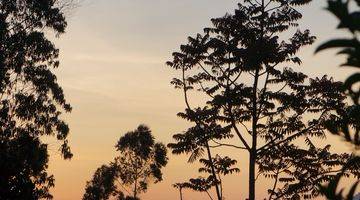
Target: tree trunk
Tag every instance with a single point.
(218, 194)
(252, 176)
(135, 188)
(181, 196)
(252, 159)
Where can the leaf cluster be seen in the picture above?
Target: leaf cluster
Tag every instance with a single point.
(222, 166)
(299, 170)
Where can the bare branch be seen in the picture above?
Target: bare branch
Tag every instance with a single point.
(224, 144)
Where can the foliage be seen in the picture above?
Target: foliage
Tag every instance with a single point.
(102, 186)
(348, 123)
(222, 165)
(302, 169)
(330, 191)
(139, 163)
(31, 100)
(141, 159)
(243, 65)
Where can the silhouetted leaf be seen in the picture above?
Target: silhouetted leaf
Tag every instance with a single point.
(336, 43)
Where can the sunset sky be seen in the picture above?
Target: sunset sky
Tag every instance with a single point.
(113, 73)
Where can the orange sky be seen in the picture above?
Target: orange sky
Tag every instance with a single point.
(113, 73)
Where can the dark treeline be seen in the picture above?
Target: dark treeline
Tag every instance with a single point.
(254, 102)
(31, 101)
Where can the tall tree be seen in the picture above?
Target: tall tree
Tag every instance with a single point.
(139, 163)
(242, 65)
(31, 100)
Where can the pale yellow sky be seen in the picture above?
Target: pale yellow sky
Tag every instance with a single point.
(113, 73)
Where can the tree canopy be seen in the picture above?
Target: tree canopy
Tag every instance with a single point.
(256, 101)
(31, 100)
(139, 162)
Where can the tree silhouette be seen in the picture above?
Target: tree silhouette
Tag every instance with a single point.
(347, 124)
(180, 187)
(31, 101)
(139, 163)
(102, 186)
(242, 65)
(301, 170)
(222, 166)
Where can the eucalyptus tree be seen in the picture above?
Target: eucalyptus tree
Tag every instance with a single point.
(102, 185)
(254, 100)
(31, 100)
(140, 162)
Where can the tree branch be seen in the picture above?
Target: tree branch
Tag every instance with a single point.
(224, 144)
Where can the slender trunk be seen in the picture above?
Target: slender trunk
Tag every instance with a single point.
(252, 159)
(181, 197)
(209, 195)
(253, 151)
(218, 193)
(135, 188)
(252, 176)
(221, 187)
(207, 144)
(275, 184)
(276, 179)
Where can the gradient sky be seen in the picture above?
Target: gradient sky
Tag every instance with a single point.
(113, 73)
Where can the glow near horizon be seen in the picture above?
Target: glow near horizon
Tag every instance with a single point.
(113, 73)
